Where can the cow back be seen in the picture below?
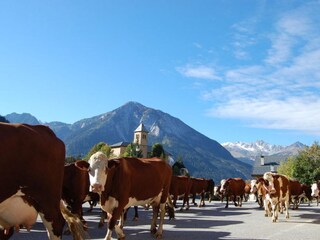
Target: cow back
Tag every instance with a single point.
(198, 185)
(235, 186)
(180, 185)
(295, 187)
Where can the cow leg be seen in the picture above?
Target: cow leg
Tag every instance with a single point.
(240, 201)
(108, 236)
(136, 215)
(103, 216)
(260, 201)
(170, 208)
(125, 214)
(117, 213)
(235, 200)
(267, 204)
(202, 202)
(153, 228)
(227, 204)
(122, 219)
(77, 210)
(54, 232)
(162, 214)
(287, 209)
(194, 199)
(275, 211)
(185, 200)
(175, 201)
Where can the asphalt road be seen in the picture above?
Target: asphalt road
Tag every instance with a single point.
(210, 222)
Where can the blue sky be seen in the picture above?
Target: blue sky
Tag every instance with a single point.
(234, 70)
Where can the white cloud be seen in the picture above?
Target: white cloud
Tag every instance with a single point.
(282, 91)
(294, 113)
(291, 29)
(203, 72)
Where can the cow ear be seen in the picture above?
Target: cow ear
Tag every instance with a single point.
(82, 165)
(113, 163)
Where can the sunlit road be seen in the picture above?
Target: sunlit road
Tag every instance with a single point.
(210, 222)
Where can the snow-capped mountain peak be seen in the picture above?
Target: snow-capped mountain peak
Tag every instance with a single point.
(259, 147)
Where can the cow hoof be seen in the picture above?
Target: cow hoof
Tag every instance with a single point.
(100, 225)
(85, 227)
(158, 235)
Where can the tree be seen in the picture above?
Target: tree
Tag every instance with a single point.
(158, 151)
(305, 167)
(101, 146)
(3, 119)
(179, 168)
(132, 150)
(286, 168)
(72, 159)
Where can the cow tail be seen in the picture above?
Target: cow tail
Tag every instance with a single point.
(170, 207)
(74, 223)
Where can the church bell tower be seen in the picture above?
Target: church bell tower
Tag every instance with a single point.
(141, 139)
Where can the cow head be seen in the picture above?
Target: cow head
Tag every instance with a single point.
(224, 185)
(253, 188)
(268, 176)
(98, 171)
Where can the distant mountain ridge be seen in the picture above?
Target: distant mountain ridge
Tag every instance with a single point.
(22, 118)
(250, 151)
(202, 156)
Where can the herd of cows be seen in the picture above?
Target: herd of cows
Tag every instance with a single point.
(39, 183)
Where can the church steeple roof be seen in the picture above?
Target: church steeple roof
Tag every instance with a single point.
(141, 128)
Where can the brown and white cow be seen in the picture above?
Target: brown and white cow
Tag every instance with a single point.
(233, 187)
(218, 192)
(247, 191)
(315, 191)
(32, 166)
(125, 182)
(298, 191)
(76, 186)
(278, 187)
(201, 186)
(180, 187)
(260, 190)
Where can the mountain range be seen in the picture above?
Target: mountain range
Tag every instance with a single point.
(204, 157)
(248, 152)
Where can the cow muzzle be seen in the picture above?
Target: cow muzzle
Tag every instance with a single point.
(97, 187)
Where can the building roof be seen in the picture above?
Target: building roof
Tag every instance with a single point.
(141, 128)
(271, 163)
(120, 144)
